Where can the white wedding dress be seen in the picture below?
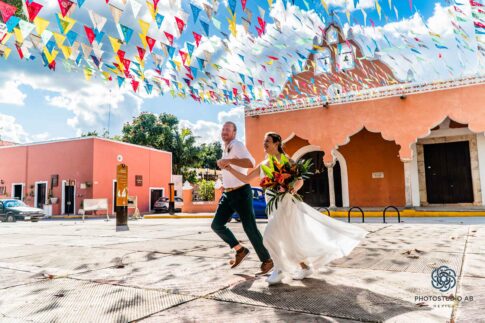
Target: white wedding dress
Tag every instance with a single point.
(297, 233)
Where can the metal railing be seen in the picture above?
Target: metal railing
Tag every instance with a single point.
(394, 208)
(358, 208)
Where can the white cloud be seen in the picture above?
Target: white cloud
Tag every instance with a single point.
(11, 130)
(209, 131)
(11, 94)
(349, 4)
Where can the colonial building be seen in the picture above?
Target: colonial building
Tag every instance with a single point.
(83, 168)
(376, 140)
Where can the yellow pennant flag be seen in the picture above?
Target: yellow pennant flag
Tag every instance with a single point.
(143, 40)
(325, 5)
(378, 7)
(66, 51)
(232, 26)
(59, 39)
(144, 26)
(6, 38)
(40, 25)
(18, 35)
(151, 8)
(88, 73)
(115, 43)
(6, 51)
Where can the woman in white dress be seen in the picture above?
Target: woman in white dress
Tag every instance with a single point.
(298, 237)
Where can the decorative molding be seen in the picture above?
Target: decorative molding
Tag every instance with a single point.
(365, 95)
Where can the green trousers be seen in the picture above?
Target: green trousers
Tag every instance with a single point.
(240, 201)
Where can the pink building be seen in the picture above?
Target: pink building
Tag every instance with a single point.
(83, 168)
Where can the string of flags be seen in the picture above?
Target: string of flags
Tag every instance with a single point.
(231, 52)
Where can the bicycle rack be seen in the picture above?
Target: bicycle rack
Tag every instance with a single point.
(358, 208)
(326, 210)
(394, 208)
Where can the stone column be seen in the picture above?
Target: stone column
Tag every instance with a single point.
(331, 186)
(408, 184)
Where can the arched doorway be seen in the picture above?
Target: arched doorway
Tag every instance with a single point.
(315, 190)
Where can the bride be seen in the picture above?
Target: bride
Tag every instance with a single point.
(299, 238)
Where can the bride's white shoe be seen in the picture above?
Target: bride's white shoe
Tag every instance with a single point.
(275, 278)
(302, 274)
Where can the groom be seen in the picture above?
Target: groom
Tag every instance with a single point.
(238, 197)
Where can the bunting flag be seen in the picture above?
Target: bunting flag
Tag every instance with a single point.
(193, 49)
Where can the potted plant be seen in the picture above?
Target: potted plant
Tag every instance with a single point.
(52, 198)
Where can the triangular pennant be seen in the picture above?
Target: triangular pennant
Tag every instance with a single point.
(205, 26)
(197, 38)
(151, 42)
(126, 33)
(180, 24)
(65, 6)
(97, 20)
(115, 43)
(33, 9)
(7, 11)
(195, 12)
(41, 25)
(169, 37)
(116, 13)
(89, 34)
(135, 7)
(159, 19)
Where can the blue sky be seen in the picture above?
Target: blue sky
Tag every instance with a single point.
(38, 104)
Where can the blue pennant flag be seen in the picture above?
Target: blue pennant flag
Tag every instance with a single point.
(195, 12)
(71, 37)
(205, 26)
(159, 19)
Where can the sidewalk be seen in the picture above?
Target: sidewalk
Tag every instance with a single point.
(177, 271)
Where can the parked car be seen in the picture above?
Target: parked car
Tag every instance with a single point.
(14, 210)
(161, 205)
(259, 205)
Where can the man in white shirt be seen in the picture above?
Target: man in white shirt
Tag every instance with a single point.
(238, 197)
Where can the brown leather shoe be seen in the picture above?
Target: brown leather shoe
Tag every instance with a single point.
(266, 267)
(240, 255)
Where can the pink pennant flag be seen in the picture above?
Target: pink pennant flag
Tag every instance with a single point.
(7, 11)
(243, 3)
(89, 34)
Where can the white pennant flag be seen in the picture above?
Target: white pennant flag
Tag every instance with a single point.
(135, 7)
(98, 21)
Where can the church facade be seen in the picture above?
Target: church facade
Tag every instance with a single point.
(375, 140)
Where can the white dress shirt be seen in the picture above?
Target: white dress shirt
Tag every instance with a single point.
(235, 150)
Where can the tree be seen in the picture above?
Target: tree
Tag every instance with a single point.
(206, 190)
(90, 134)
(162, 132)
(209, 154)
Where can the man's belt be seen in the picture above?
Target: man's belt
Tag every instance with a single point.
(230, 189)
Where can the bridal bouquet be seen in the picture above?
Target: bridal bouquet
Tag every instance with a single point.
(281, 177)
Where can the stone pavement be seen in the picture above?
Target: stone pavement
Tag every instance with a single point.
(177, 271)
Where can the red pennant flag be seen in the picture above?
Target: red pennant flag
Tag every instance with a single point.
(126, 63)
(89, 34)
(65, 5)
(197, 38)
(33, 9)
(141, 52)
(52, 66)
(234, 91)
(169, 37)
(183, 55)
(151, 42)
(243, 3)
(155, 4)
(7, 11)
(135, 84)
(180, 24)
(166, 81)
(19, 50)
(121, 54)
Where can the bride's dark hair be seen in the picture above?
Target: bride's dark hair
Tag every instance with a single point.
(276, 139)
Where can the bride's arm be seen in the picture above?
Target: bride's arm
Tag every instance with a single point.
(298, 186)
(244, 178)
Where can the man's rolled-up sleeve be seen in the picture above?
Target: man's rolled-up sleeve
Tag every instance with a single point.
(242, 152)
